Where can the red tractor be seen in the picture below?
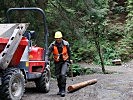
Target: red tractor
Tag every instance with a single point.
(20, 61)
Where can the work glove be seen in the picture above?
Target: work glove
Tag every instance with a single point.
(70, 61)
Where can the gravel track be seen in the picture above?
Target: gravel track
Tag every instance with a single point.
(116, 86)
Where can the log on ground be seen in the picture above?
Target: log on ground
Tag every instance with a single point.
(77, 86)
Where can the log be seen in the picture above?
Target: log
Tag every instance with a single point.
(77, 86)
(117, 62)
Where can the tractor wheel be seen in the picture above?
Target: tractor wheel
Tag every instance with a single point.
(13, 84)
(43, 83)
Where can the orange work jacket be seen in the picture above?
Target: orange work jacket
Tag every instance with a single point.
(57, 55)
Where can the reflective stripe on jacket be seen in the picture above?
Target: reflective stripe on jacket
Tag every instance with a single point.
(57, 55)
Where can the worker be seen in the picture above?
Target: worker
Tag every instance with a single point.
(61, 54)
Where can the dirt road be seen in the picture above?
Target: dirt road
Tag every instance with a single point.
(116, 86)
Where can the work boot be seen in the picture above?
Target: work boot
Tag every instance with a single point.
(59, 93)
(62, 92)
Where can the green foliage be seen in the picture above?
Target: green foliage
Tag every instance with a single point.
(77, 70)
(89, 71)
(82, 52)
(115, 32)
(129, 25)
(109, 53)
(119, 9)
(125, 47)
(126, 44)
(79, 21)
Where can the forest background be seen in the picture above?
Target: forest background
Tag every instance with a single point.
(97, 30)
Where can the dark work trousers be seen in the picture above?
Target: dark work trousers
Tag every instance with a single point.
(61, 69)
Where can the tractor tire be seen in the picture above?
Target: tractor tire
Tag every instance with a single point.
(43, 83)
(13, 84)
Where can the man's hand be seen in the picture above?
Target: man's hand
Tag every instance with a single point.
(70, 61)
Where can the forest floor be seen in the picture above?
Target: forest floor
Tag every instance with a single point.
(115, 86)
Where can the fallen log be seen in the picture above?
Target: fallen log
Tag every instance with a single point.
(77, 86)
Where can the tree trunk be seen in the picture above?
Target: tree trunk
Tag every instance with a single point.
(100, 55)
(96, 36)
